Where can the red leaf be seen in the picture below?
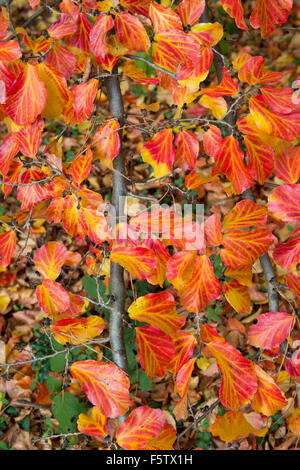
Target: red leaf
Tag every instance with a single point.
(271, 329)
(26, 97)
(106, 386)
(239, 382)
(159, 152)
(143, 427)
(156, 350)
(7, 247)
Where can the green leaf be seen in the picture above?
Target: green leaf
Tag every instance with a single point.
(144, 382)
(90, 286)
(53, 385)
(25, 423)
(58, 363)
(66, 410)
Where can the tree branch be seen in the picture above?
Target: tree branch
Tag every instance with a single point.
(114, 95)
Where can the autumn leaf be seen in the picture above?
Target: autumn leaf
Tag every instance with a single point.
(143, 427)
(269, 398)
(137, 260)
(239, 381)
(8, 241)
(52, 297)
(235, 10)
(271, 329)
(284, 202)
(158, 310)
(26, 97)
(159, 152)
(156, 350)
(77, 330)
(93, 424)
(106, 386)
(233, 425)
(80, 167)
(50, 258)
(229, 160)
(267, 14)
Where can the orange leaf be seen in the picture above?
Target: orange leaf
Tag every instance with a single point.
(271, 329)
(52, 297)
(268, 399)
(245, 214)
(162, 256)
(7, 247)
(158, 310)
(141, 7)
(239, 382)
(57, 92)
(98, 34)
(284, 126)
(77, 330)
(213, 230)
(93, 424)
(280, 100)
(106, 386)
(293, 422)
(49, 259)
(237, 295)
(80, 40)
(260, 158)
(106, 141)
(207, 34)
(242, 248)
(228, 87)
(267, 14)
(284, 202)
(287, 162)
(183, 376)
(243, 274)
(287, 255)
(63, 27)
(229, 160)
(234, 8)
(156, 350)
(194, 278)
(131, 32)
(212, 140)
(163, 18)
(233, 425)
(253, 72)
(12, 178)
(293, 283)
(184, 347)
(8, 150)
(209, 334)
(9, 51)
(29, 138)
(81, 102)
(32, 193)
(187, 149)
(159, 152)
(80, 167)
(26, 97)
(139, 76)
(137, 260)
(190, 11)
(73, 220)
(217, 106)
(143, 427)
